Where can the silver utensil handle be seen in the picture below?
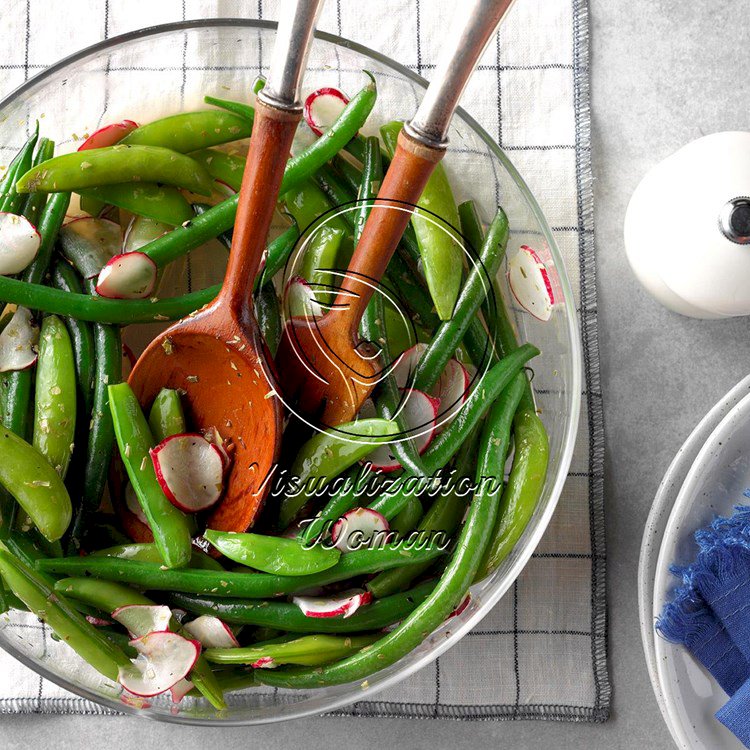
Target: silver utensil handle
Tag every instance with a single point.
(455, 66)
(297, 19)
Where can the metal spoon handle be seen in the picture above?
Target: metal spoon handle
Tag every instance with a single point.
(290, 51)
(460, 55)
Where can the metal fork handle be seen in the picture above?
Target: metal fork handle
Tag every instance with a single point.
(460, 56)
(290, 51)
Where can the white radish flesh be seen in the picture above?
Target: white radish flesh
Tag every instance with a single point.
(163, 660)
(419, 412)
(530, 283)
(300, 300)
(213, 436)
(406, 365)
(344, 605)
(18, 342)
(180, 689)
(451, 390)
(109, 135)
(211, 632)
(322, 107)
(190, 471)
(140, 619)
(133, 504)
(356, 529)
(127, 276)
(19, 243)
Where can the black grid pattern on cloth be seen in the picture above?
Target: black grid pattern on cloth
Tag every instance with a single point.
(437, 704)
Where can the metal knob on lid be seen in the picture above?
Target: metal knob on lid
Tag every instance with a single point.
(734, 220)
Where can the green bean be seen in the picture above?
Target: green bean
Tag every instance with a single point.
(239, 108)
(407, 520)
(189, 131)
(10, 200)
(112, 165)
(167, 416)
(268, 313)
(277, 254)
(81, 335)
(328, 454)
(34, 203)
(163, 203)
(450, 333)
(99, 309)
(269, 554)
(148, 552)
(251, 585)
(447, 444)
(231, 680)
(289, 617)
(53, 608)
(108, 597)
(310, 650)
(170, 527)
(525, 485)
(35, 484)
(55, 395)
(221, 217)
(443, 517)
(50, 222)
(441, 255)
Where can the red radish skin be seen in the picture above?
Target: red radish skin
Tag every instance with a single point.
(141, 619)
(164, 658)
(224, 189)
(530, 283)
(98, 622)
(109, 135)
(420, 414)
(344, 605)
(363, 522)
(190, 471)
(316, 105)
(265, 662)
(19, 243)
(127, 276)
(461, 607)
(19, 341)
(211, 632)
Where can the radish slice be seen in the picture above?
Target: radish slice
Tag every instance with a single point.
(461, 607)
(134, 505)
(406, 365)
(356, 528)
(19, 243)
(127, 276)
(180, 689)
(345, 604)
(300, 300)
(141, 231)
(190, 470)
(451, 390)
(214, 437)
(141, 619)
(18, 342)
(530, 283)
(224, 188)
(109, 135)
(163, 660)
(98, 622)
(322, 108)
(265, 662)
(92, 242)
(211, 632)
(420, 413)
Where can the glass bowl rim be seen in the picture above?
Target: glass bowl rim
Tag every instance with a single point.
(573, 395)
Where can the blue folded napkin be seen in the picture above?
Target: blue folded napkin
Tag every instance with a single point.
(710, 613)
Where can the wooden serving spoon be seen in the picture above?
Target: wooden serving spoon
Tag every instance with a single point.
(327, 370)
(217, 356)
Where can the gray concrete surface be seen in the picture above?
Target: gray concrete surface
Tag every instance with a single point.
(664, 72)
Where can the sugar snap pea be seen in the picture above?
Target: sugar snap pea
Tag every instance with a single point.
(164, 203)
(149, 552)
(166, 416)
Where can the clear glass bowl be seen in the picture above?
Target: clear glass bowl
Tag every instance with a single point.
(162, 70)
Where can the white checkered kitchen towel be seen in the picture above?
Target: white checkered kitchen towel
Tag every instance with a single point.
(542, 651)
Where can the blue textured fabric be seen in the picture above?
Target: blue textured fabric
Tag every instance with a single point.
(735, 715)
(710, 613)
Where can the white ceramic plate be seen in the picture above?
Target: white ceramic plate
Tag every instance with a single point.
(657, 520)
(713, 485)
